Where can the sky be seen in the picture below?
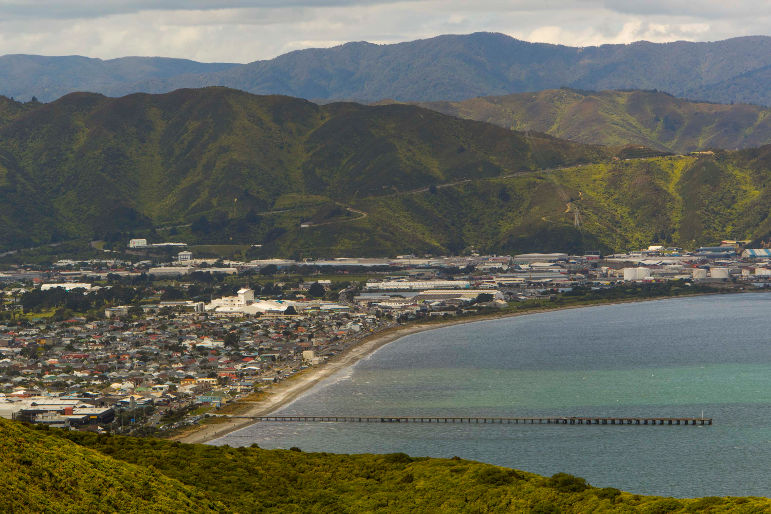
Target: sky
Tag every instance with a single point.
(249, 30)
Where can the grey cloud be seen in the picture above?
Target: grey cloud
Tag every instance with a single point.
(248, 30)
(81, 9)
(705, 9)
(73, 9)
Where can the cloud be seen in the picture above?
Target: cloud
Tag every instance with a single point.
(248, 30)
(704, 9)
(73, 9)
(629, 31)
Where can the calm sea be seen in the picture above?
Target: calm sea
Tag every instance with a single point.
(674, 357)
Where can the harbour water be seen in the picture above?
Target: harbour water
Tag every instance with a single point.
(677, 357)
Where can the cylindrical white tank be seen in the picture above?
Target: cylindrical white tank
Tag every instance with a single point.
(631, 274)
(719, 273)
(699, 273)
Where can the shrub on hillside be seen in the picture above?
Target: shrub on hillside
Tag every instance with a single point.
(565, 483)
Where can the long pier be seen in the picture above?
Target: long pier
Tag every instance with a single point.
(573, 420)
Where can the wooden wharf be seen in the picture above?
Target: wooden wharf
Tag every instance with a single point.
(573, 420)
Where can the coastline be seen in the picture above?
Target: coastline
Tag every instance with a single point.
(290, 389)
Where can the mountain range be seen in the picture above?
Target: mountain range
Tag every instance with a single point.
(219, 165)
(449, 67)
(48, 78)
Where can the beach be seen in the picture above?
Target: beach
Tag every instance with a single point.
(284, 392)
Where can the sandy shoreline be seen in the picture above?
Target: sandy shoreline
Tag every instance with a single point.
(288, 390)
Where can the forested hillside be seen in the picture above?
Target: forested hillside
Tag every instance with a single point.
(610, 206)
(649, 118)
(48, 470)
(220, 166)
(90, 166)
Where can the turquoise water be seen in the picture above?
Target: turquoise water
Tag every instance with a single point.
(674, 357)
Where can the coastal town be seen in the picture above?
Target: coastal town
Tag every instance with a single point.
(152, 347)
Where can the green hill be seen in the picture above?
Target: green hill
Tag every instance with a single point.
(90, 166)
(55, 471)
(219, 166)
(649, 118)
(11, 109)
(43, 472)
(617, 205)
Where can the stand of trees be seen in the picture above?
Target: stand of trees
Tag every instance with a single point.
(78, 300)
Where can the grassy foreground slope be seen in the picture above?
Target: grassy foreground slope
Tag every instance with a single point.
(650, 118)
(254, 480)
(43, 472)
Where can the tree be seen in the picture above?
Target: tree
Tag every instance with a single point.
(62, 314)
(485, 297)
(290, 310)
(201, 226)
(34, 299)
(317, 290)
(232, 339)
(29, 351)
(136, 311)
(202, 276)
(270, 269)
(172, 293)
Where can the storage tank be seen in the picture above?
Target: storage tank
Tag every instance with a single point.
(699, 273)
(719, 273)
(631, 274)
(763, 272)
